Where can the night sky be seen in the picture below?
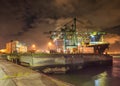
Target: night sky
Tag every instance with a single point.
(26, 20)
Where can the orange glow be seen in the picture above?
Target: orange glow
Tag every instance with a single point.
(3, 50)
(49, 43)
(114, 52)
(33, 47)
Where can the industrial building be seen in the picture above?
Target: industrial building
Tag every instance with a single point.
(15, 47)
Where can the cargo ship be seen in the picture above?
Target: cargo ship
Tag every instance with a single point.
(74, 50)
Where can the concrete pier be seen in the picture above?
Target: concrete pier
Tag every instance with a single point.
(15, 75)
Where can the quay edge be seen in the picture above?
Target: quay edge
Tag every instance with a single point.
(16, 75)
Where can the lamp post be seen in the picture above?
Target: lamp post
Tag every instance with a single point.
(33, 48)
(11, 45)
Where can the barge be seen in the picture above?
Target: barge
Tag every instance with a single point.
(55, 63)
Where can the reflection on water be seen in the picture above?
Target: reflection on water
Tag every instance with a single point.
(101, 79)
(97, 76)
(116, 67)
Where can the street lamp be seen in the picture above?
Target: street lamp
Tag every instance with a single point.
(33, 48)
(49, 45)
(11, 45)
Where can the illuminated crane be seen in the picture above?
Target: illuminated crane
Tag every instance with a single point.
(72, 38)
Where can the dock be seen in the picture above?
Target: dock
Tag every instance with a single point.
(15, 75)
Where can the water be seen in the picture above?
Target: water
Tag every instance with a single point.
(96, 76)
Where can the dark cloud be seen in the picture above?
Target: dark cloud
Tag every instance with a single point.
(28, 19)
(113, 30)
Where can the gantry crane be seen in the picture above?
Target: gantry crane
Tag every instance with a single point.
(71, 37)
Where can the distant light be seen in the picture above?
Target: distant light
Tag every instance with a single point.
(64, 50)
(78, 44)
(3, 50)
(92, 36)
(54, 33)
(33, 46)
(49, 43)
(55, 39)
